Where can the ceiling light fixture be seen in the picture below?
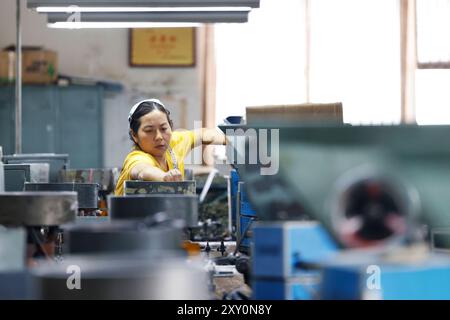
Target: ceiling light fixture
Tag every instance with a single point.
(104, 5)
(136, 9)
(133, 19)
(135, 13)
(118, 25)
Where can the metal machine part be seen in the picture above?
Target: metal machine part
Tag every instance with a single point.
(14, 279)
(304, 287)
(287, 249)
(154, 187)
(215, 245)
(122, 236)
(207, 185)
(312, 160)
(243, 265)
(2, 175)
(177, 206)
(87, 193)
(371, 209)
(12, 249)
(16, 175)
(37, 208)
(287, 259)
(155, 277)
(57, 162)
(440, 239)
(404, 273)
(213, 211)
(246, 215)
(15, 285)
(105, 178)
(92, 219)
(188, 174)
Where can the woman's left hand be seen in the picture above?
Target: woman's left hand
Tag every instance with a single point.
(173, 175)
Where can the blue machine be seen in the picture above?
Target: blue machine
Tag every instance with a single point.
(246, 217)
(355, 279)
(283, 249)
(245, 208)
(300, 261)
(234, 180)
(375, 189)
(242, 213)
(306, 287)
(286, 259)
(245, 232)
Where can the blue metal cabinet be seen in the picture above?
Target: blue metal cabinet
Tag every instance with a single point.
(56, 120)
(7, 119)
(80, 125)
(39, 119)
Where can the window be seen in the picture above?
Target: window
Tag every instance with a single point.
(432, 96)
(355, 58)
(433, 32)
(261, 62)
(433, 55)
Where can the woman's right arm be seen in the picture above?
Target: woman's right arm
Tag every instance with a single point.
(147, 172)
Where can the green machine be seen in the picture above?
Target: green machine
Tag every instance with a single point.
(368, 185)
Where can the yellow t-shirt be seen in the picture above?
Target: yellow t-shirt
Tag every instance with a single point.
(181, 143)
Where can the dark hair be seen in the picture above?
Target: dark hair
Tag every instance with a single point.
(142, 110)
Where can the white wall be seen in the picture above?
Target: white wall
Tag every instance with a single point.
(103, 53)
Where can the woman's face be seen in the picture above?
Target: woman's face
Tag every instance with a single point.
(154, 133)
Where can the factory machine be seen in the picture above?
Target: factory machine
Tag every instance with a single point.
(16, 175)
(41, 214)
(33, 168)
(377, 198)
(52, 232)
(105, 178)
(125, 258)
(87, 194)
(177, 206)
(352, 212)
(180, 202)
(56, 162)
(242, 214)
(29, 224)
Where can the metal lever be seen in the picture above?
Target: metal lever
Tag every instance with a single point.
(207, 185)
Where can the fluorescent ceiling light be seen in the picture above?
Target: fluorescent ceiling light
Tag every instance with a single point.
(137, 9)
(144, 3)
(159, 17)
(118, 25)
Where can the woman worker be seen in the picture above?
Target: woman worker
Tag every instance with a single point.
(158, 153)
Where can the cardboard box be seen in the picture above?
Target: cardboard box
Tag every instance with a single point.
(39, 66)
(296, 113)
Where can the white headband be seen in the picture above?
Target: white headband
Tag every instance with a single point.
(133, 109)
